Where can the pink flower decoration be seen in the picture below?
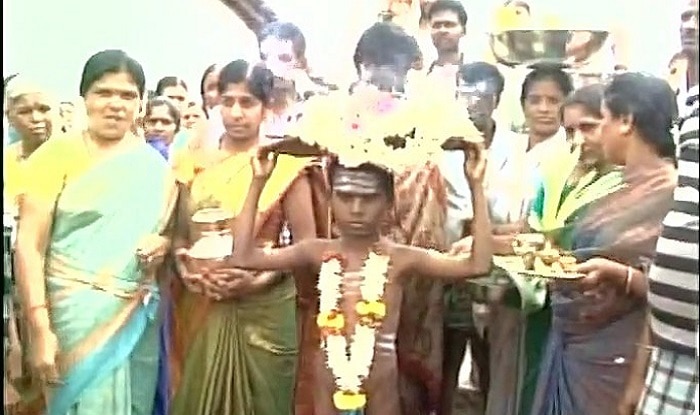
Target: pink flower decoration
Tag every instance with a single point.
(385, 105)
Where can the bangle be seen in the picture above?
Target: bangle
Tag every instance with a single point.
(628, 280)
(35, 307)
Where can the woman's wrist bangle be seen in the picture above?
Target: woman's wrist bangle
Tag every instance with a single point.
(36, 307)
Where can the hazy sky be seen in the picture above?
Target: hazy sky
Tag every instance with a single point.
(49, 40)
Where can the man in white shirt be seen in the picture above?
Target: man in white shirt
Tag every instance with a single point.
(479, 88)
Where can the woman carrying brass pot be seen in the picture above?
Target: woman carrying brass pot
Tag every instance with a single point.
(234, 343)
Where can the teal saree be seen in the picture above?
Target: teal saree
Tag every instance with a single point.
(103, 306)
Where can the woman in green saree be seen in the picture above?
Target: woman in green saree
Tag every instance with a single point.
(568, 186)
(568, 183)
(234, 342)
(91, 226)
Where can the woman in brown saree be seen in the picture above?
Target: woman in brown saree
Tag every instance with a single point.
(597, 324)
(234, 342)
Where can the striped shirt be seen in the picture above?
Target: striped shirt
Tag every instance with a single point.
(673, 278)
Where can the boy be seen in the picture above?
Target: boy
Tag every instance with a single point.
(360, 279)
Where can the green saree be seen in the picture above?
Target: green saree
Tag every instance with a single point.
(236, 357)
(243, 360)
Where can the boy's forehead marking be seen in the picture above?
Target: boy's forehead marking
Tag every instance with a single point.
(356, 181)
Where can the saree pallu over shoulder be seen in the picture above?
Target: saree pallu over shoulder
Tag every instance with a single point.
(220, 180)
(307, 296)
(108, 356)
(594, 338)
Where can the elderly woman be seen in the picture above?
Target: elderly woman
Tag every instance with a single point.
(30, 114)
(597, 324)
(161, 123)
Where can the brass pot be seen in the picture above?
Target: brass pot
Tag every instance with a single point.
(529, 47)
(211, 221)
(200, 265)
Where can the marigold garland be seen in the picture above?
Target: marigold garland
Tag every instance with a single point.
(351, 364)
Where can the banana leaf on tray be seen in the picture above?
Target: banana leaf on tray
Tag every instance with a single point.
(527, 293)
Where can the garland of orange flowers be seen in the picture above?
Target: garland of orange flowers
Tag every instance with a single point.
(351, 365)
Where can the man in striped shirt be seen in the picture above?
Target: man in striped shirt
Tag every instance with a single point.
(671, 385)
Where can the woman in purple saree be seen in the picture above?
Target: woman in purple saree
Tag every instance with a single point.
(597, 324)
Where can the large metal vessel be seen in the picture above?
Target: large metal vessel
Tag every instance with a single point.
(537, 32)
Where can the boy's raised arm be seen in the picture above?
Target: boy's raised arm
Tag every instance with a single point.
(246, 254)
(438, 265)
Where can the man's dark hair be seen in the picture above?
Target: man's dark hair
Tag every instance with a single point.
(452, 6)
(476, 72)
(286, 31)
(386, 44)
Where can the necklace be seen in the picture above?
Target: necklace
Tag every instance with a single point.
(350, 364)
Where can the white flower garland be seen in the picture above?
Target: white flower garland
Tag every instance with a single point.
(350, 366)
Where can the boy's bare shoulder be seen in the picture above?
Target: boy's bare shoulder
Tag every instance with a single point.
(315, 248)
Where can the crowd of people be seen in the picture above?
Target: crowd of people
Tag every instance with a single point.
(170, 254)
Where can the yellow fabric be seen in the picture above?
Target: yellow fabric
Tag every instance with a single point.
(13, 172)
(235, 357)
(56, 162)
(212, 181)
